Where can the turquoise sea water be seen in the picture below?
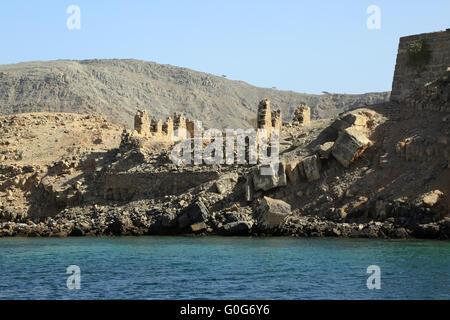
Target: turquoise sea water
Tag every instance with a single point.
(222, 268)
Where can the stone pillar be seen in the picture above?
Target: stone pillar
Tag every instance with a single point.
(302, 115)
(190, 127)
(142, 122)
(276, 119)
(168, 128)
(156, 127)
(179, 124)
(264, 115)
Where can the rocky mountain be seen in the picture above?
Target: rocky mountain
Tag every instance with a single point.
(115, 89)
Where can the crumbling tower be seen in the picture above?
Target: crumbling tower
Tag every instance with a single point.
(264, 117)
(302, 115)
(190, 127)
(276, 119)
(179, 123)
(142, 122)
(156, 127)
(168, 128)
(267, 119)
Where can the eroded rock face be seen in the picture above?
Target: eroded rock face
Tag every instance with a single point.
(194, 213)
(350, 144)
(198, 227)
(272, 212)
(138, 189)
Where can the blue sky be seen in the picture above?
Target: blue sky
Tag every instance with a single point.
(305, 46)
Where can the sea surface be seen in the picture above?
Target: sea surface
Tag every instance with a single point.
(222, 268)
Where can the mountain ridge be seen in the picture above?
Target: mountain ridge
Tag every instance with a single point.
(116, 88)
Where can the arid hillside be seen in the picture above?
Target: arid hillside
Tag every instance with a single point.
(115, 89)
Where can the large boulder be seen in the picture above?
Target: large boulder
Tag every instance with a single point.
(272, 212)
(323, 151)
(350, 144)
(194, 213)
(269, 181)
(292, 170)
(311, 168)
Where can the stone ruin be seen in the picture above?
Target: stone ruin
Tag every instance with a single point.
(302, 115)
(178, 127)
(434, 96)
(155, 128)
(142, 122)
(266, 119)
(409, 78)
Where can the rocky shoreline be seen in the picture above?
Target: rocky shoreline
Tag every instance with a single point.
(365, 174)
(268, 220)
(320, 191)
(304, 228)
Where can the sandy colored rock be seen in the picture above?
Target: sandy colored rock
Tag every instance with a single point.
(311, 168)
(350, 144)
(265, 182)
(272, 212)
(432, 197)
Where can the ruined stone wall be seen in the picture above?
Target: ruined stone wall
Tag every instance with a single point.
(407, 78)
(267, 119)
(264, 115)
(178, 127)
(142, 122)
(302, 115)
(434, 96)
(418, 148)
(276, 120)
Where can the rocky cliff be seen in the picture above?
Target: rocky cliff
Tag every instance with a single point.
(378, 171)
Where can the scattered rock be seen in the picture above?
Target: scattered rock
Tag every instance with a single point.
(196, 227)
(292, 171)
(269, 177)
(226, 183)
(194, 213)
(350, 144)
(272, 212)
(311, 168)
(323, 151)
(236, 228)
(431, 198)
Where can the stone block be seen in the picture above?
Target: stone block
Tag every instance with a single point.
(272, 212)
(311, 168)
(350, 144)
